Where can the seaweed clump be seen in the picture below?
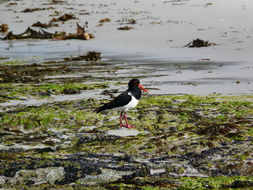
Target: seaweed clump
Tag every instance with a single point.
(43, 25)
(89, 56)
(81, 34)
(199, 43)
(4, 27)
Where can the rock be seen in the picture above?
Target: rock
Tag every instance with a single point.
(106, 176)
(37, 176)
(2, 180)
(55, 174)
(85, 129)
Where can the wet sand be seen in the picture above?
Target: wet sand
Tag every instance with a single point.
(156, 44)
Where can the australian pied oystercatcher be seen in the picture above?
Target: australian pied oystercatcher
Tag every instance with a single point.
(125, 101)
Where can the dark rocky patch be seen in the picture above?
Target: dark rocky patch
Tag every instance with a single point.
(239, 184)
(97, 138)
(9, 168)
(141, 171)
(71, 91)
(79, 168)
(43, 150)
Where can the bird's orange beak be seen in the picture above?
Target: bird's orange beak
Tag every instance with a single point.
(142, 88)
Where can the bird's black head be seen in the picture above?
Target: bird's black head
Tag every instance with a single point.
(135, 83)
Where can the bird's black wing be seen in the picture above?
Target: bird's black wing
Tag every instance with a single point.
(123, 99)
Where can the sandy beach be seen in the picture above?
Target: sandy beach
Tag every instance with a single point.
(161, 29)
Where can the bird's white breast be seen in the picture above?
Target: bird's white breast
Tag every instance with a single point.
(133, 103)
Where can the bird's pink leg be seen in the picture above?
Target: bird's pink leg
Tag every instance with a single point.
(121, 117)
(127, 125)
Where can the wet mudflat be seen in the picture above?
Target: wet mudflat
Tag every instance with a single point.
(50, 136)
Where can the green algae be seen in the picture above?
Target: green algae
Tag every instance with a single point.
(153, 120)
(51, 116)
(15, 91)
(173, 126)
(13, 62)
(196, 111)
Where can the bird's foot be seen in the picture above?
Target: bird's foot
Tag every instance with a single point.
(128, 126)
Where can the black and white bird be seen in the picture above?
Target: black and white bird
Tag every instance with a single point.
(125, 101)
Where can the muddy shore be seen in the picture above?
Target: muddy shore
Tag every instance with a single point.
(156, 43)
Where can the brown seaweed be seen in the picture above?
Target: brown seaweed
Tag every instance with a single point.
(90, 56)
(29, 34)
(42, 34)
(29, 10)
(80, 34)
(125, 28)
(43, 25)
(63, 18)
(4, 27)
(199, 43)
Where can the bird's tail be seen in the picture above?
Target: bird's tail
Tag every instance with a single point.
(97, 110)
(102, 108)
